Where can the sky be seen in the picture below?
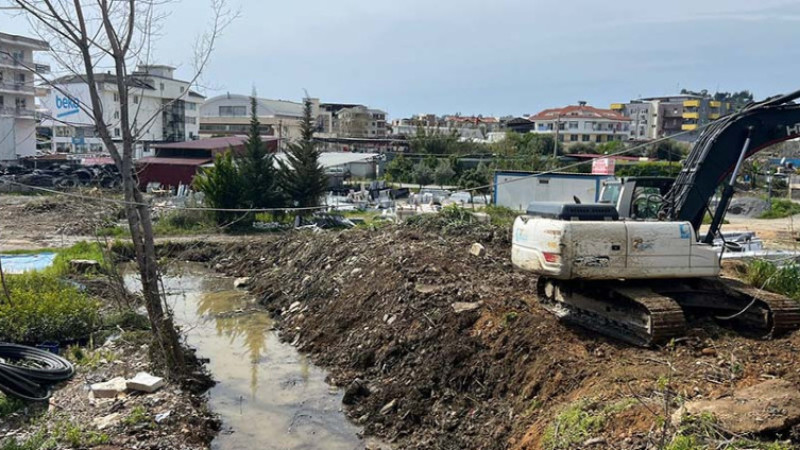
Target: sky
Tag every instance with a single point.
(498, 58)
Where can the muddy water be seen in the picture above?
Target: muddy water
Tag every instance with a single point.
(268, 395)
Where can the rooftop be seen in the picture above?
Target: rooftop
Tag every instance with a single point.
(14, 39)
(579, 112)
(174, 161)
(334, 159)
(206, 144)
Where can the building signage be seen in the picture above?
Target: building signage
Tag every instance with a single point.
(66, 106)
(603, 166)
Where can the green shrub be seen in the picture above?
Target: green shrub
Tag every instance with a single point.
(783, 280)
(780, 208)
(649, 169)
(501, 216)
(184, 222)
(573, 426)
(45, 308)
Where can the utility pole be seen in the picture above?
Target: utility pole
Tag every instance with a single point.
(555, 141)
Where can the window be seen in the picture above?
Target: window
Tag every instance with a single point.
(191, 120)
(116, 132)
(597, 138)
(20, 103)
(573, 125)
(1, 77)
(573, 138)
(2, 101)
(135, 99)
(585, 138)
(182, 89)
(116, 97)
(191, 106)
(232, 111)
(116, 114)
(161, 86)
(20, 78)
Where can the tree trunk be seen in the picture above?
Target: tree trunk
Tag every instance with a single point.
(165, 335)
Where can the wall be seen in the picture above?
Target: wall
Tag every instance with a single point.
(561, 188)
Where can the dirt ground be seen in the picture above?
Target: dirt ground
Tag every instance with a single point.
(378, 309)
(441, 349)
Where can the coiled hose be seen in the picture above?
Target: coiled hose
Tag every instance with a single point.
(28, 373)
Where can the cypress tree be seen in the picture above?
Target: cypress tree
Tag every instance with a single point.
(257, 168)
(302, 178)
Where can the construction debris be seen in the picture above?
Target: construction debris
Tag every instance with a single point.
(145, 382)
(109, 389)
(477, 250)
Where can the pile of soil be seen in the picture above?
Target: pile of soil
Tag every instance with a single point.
(438, 348)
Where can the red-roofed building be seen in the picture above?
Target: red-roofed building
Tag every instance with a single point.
(582, 123)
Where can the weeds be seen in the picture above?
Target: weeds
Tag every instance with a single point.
(452, 219)
(44, 308)
(780, 208)
(89, 358)
(184, 222)
(783, 280)
(500, 216)
(9, 405)
(81, 250)
(138, 416)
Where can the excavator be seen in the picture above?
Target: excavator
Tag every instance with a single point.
(635, 266)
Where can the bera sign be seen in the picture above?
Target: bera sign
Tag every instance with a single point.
(66, 106)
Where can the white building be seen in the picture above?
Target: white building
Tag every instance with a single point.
(18, 95)
(582, 123)
(229, 115)
(161, 108)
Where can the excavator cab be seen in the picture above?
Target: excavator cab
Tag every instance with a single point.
(638, 198)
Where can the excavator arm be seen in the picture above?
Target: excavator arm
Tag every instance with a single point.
(719, 152)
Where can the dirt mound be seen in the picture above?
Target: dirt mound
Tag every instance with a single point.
(748, 206)
(494, 371)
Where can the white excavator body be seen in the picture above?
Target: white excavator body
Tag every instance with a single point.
(610, 249)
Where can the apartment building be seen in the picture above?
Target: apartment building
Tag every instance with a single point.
(656, 117)
(229, 115)
(582, 123)
(18, 94)
(161, 107)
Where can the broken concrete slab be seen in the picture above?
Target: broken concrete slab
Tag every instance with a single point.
(460, 307)
(144, 382)
(110, 388)
(242, 282)
(477, 250)
(101, 423)
(770, 406)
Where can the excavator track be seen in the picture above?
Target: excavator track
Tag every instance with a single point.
(756, 310)
(633, 314)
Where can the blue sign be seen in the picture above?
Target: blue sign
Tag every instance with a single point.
(78, 141)
(66, 106)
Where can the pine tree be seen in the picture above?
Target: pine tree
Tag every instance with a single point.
(302, 178)
(257, 168)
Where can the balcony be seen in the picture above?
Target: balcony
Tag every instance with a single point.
(714, 104)
(617, 106)
(41, 69)
(691, 115)
(15, 111)
(691, 104)
(18, 88)
(689, 126)
(714, 116)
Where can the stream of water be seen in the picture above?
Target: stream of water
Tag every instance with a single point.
(268, 395)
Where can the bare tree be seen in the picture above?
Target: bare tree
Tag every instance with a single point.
(87, 37)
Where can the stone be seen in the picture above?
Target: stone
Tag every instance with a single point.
(101, 423)
(295, 307)
(84, 265)
(477, 250)
(708, 351)
(354, 391)
(110, 388)
(355, 271)
(460, 307)
(389, 407)
(162, 416)
(242, 282)
(766, 407)
(144, 382)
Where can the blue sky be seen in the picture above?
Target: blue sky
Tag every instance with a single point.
(506, 57)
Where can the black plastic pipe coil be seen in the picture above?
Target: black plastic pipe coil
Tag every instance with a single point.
(28, 373)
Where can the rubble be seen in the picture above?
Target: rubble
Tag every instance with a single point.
(109, 389)
(84, 266)
(145, 382)
(477, 250)
(770, 406)
(242, 282)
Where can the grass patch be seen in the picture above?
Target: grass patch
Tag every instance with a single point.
(501, 216)
(89, 358)
(184, 222)
(784, 280)
(579, 422)
(780, 208)
(34, 251)
(63, 434)
(45, 308)
(452, 219)
(9, 405)
(81, 250)
(115, 231)
(138, 415)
